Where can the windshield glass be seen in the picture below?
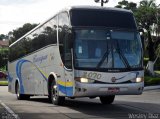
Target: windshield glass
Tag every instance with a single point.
(111, 49)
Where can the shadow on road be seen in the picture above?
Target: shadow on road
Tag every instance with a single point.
(87, 108)
(42, 100)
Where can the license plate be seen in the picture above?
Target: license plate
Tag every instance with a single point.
(113, 90)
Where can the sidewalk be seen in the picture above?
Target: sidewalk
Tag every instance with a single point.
(2, 112)
(151, 87)
(6, 112)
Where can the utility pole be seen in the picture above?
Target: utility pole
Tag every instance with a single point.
(102, 2)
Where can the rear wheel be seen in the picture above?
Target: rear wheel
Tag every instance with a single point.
(55, 98)
(21, 96)
(107, 99)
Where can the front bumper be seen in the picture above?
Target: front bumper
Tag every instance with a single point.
(89, 90)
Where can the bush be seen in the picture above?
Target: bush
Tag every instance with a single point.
(157, 65)
(3, 57)
(148, 80)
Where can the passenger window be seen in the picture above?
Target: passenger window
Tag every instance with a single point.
(65, 38)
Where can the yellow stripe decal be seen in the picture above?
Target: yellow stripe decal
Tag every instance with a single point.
(68, 84)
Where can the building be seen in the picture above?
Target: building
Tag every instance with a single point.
(4, 44)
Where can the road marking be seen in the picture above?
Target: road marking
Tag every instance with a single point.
(9, 110)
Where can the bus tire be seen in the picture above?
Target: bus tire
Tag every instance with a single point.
(21, 96)
(107, 99)
(55, 98)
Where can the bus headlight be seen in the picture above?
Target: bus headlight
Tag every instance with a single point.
(84, 80)
(138, 80)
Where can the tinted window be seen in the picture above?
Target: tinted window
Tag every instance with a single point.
(17, 50)
(50, 30)
(104, 18)
(63, 23)
(41, 37)
(64, 39)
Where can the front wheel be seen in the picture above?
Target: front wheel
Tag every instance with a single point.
(21, 96)
(55, 98)
(107, 99)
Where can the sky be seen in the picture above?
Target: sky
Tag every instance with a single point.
(15, 13)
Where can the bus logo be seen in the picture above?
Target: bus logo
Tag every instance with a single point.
(113, 79)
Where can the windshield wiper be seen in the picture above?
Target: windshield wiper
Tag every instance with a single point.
(103, 58)
(122, 56)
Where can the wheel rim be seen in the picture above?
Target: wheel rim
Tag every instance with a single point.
(55, 92)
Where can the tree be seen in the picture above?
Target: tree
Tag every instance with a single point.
(16, 34)
(157, 53)
(145, 14)
(157, 26)
(2, 36)
(146, 17)
(3, 57)
(127, 5)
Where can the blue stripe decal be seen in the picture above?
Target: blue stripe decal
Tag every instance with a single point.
(66, 90)
(9, 78)
(62, 88)
(19, 72)
(137, 73)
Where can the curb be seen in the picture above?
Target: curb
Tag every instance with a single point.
(8, 114)
(151, 88)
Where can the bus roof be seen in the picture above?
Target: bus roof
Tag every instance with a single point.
(97, 8)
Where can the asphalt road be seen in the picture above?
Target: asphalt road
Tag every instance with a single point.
(142, 106)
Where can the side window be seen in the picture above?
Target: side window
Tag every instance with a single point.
(63, 23)
(54, 24)
(38, 39)
(28, 43)
(41, 37)
(50, 31)
(67, 50)
(22, 48)
(64, 33)
(13, 54)
(34, 39)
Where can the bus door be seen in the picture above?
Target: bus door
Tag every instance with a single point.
(65, 38)
(68, 72)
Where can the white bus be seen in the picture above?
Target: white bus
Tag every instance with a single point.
(79, 52)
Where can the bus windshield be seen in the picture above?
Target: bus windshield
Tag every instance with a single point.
(107, 49)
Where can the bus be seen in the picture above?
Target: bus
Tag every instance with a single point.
(79, 52)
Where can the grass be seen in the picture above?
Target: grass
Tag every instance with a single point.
(158, 72)
(146, 58)
(3, 83)
(3, 49)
